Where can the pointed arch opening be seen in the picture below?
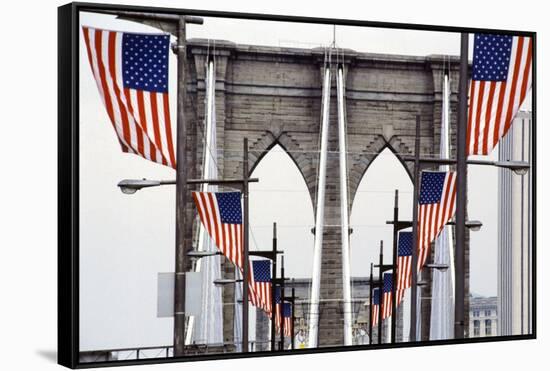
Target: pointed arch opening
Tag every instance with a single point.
(282, 196)
(373, 206)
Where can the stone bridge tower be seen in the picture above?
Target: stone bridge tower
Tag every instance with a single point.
(272, 95)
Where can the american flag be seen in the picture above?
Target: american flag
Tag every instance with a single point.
(375, 306)
(287, 315)
(278, 313)
(404, 263)
(131, 73)
(387, 298)
(501, 78)
(436, 206)
(261, 272)
(221, 215)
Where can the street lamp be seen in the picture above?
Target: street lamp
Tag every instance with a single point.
(439, 267)
(518, 167)
(131, 186)
(202, 254)
(226, 281)
(473, 225)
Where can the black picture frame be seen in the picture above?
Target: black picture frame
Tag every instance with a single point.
(68, 181)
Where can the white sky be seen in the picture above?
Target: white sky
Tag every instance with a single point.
(126, 240)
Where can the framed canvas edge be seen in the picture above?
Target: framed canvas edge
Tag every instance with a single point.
(68, 182)
(67, 256)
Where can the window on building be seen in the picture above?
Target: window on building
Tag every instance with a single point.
(476, 313)
(488, 327)
(488, 313)
(476, 327)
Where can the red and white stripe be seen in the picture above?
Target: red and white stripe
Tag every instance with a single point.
(254, 297)
(287, 321)
(493, 104)
(433, 217)
(278, 317)
(375, 314)
(386, 305)
(227, 237)
(263, 292)
(287, 326)
(262, 297)
(404, 276)
(141, 119)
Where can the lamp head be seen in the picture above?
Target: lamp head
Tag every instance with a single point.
(474, 225)
(131, 186)
(518, 167)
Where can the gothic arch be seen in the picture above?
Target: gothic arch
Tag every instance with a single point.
(360, 162)
(304, 160)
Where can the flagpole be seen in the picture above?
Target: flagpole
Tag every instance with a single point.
(292, 340)
(414, 252)
(380, 289)
(461, 184)
(245, 247)
(281, 312)
(370, 305)
(273, 286)
(395, 252)
(181, 196)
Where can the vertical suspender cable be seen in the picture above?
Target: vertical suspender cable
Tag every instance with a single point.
(442, 316)
(446, 154)
(204, 243)
(344, 212)
(319, 215)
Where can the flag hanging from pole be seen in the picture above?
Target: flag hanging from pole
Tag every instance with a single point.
(287, 316)
(284, 317)
(131, 73)
(375, 306)
(436, 206)
(501, 78)
(278, 313)
(261, 273)
(221, 215)
(404, 263)
(387, 297)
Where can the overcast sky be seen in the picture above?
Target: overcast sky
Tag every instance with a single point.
(125, 241)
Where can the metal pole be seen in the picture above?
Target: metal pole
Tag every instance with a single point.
(395, 251)
(181, 201)
(414, 254)
(281, 312)
(461, 185)
(293, 319)
(370, 305)
(380, 288)
(273, 286)
(245, 247)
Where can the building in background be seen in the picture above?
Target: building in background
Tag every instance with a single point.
(483, 316)
(514, 237)
(360, 316)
